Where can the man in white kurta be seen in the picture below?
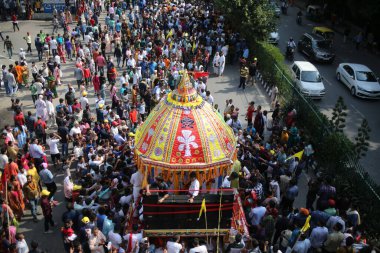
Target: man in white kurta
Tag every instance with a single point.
(136, 180)
(222, 63)
(41, 108)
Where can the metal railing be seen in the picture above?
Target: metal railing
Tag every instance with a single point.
(310, 116)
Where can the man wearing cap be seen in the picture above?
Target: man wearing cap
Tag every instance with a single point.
(243, 76)
(84, 100)
(159, 184)
(47, 211)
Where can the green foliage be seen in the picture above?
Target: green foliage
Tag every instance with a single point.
(362, 139)
(277, 74)
(333, 152)
(254, 19)
(338, 119)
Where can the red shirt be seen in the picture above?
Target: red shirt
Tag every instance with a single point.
(92, 22)
(133, 116)
(250, 111)
(76, 106)
(86, 73)
(19, 118)
(38, 122)
(14, 18)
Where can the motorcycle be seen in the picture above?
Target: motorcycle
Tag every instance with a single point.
(299, 19)
(289, 53)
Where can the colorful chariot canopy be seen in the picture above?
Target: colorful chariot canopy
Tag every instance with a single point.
(184, 133)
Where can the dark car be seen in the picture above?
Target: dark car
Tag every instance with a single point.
(316, 48)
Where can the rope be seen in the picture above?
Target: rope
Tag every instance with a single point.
(187, 206)
(203, 190)
(220, 217)
(188, 212)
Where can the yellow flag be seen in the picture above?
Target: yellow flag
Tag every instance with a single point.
(169, 34)
(306, 226)
(193, 46)
(298, 155)
(203, 208)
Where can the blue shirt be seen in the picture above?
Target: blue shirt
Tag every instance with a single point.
(292, 192)
(46, 176)
(118, 27)
(35, 151)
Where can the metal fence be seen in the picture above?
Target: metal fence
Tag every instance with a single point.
(351, 178)
(314, 122)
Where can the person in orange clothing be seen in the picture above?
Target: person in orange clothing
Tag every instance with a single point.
(87, 75)
(18, 189)
(133, 116)
(19, 71)
(10, 169)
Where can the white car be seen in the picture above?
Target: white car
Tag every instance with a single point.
(308, 79)
(274, 38)
(361, 81)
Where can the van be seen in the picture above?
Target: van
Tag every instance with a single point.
(308, 79)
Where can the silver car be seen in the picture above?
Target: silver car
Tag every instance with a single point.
(361, 81)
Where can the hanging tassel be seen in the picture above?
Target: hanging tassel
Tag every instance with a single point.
(145, 180)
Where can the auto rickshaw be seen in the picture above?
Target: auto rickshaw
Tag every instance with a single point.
(325, 32)
(314, 13)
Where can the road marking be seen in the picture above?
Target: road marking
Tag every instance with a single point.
(356, 110)
(327, 81)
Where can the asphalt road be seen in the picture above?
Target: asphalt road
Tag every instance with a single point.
(357, 108)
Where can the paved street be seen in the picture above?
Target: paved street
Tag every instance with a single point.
(357, 108)
(221, 88)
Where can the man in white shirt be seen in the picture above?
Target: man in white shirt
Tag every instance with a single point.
(123, 78)
(209, 98)
(131, 63)
(136, 180)
(227, 180)
(3, 158)
(174, 246)
(75, 129)
(198, 248)
(53, 45)
(194, 187)
(133, 238)
(21, 176)
(53, 145)
(115, 239)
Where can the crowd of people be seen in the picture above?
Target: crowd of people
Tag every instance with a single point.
(126, 64)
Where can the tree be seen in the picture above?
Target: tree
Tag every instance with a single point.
(254, 19)
(339, 113)
(362, 140)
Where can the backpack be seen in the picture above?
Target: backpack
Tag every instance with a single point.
(39, 130)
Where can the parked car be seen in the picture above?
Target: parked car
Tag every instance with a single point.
(316, 48)
(276, 8)
(314, 13)
(274, 38)
(308, 79)
(361, 81)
